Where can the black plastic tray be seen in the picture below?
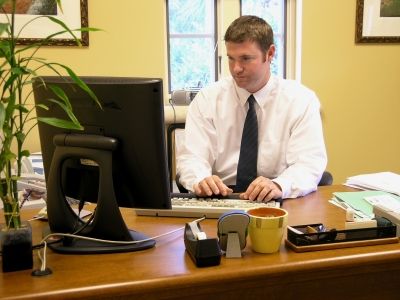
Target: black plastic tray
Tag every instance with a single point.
(337, 236)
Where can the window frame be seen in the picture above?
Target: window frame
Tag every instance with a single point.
(280, 35)
(193, 35)
(225, 11)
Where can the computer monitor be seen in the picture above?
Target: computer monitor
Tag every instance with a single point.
(117, 160)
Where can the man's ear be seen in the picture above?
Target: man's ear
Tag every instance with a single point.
(270, 53)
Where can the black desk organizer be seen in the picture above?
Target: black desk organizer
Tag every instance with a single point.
(334, 239)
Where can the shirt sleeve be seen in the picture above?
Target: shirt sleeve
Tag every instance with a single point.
(306, 155)
(196, 152)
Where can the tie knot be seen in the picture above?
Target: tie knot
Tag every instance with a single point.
(251, 100)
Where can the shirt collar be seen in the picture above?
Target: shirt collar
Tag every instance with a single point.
(260, 96)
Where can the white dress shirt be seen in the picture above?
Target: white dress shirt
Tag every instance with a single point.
(291, 144)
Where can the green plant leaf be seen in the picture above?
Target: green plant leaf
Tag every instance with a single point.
(46, 39)
(14, 110)
(9, 155)
(10, 106)
(19, 71)
(22, 108)
(77, 80)
(35, 45)
(25, 153)
(20, 135)
(5, 100)
(60, 123)
(61, 94)
(2, 114)
(59, 4)
(66, 109)
(88, 29)
(42, 106)
(23, 71)
(81, 84)
(5, 62)
(2, 2)
(10, 81)
(4, 52)
(7, 132)
(62, 24)
(3, 28)
(29, 82)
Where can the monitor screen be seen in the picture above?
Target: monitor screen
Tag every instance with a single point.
(117, 160)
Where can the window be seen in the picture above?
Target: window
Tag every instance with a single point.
(192, 43)
(192, 38)
(272, 11)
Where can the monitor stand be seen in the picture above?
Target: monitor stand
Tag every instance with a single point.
(107, 223)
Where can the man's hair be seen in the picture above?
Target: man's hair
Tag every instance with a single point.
(250, 28)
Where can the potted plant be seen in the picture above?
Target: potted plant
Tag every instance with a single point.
(19, 65)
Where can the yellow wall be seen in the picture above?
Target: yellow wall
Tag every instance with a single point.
(133, 44)
(358, 85)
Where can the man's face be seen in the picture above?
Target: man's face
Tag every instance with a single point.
(249, 68)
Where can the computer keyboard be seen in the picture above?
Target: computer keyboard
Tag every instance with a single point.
(190, 206)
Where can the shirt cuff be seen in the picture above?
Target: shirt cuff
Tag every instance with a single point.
(195, 179)
(286, 186)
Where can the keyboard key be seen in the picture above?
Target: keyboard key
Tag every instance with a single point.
(193, 207)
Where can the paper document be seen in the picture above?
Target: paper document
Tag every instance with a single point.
(384, 181)
(357, 200)
(357, 213)
(386, 201)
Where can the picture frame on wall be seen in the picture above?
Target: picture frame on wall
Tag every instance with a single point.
(74, 14)
(377, 21)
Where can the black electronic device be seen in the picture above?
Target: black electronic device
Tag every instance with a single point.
(118, 160)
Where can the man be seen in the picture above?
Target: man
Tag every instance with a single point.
(291, 155)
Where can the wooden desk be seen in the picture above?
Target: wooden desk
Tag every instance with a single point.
(166, 271)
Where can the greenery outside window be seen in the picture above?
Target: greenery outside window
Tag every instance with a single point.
(192, 38)
(274, 12)
(192, 43)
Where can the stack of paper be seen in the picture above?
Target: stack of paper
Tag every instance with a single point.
(384, 181)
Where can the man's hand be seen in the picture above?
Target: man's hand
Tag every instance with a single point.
(262, 189)
(211, 185)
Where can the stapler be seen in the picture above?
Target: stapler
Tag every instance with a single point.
(204, 252)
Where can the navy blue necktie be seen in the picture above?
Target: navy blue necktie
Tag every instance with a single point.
(247, 166)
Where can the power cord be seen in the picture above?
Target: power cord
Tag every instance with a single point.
(44, 271)
(173, 108)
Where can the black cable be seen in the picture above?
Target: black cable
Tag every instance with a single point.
(86, 224)
(68, 240)
(173, 108)
(40, 246)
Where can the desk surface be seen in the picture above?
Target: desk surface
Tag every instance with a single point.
(167, 271)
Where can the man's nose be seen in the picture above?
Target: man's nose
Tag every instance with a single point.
(237, 67)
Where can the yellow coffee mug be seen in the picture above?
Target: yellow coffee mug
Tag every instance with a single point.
(266, 228)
